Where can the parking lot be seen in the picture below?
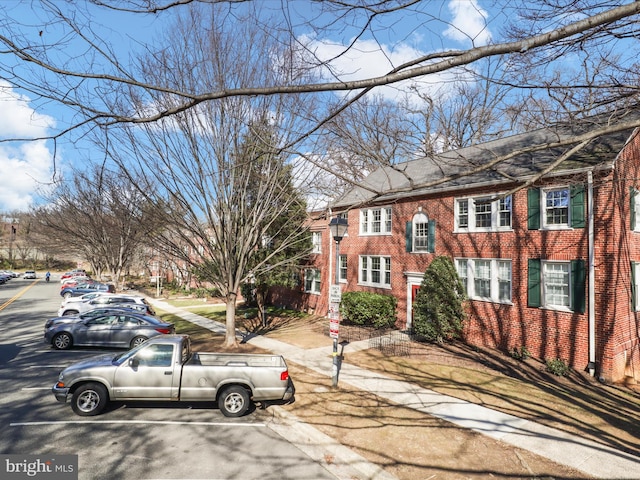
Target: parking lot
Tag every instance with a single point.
(129, 441)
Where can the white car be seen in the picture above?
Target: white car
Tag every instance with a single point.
(30, 274)
(115, 300)
(83, 298)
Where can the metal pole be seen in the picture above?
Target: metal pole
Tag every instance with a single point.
(334, 376)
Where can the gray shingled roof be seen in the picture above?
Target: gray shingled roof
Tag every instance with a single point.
(413, 178)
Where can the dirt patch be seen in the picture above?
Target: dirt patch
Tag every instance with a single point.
(412, 445)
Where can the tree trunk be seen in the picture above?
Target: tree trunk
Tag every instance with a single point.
(230, 335)
(261, 299)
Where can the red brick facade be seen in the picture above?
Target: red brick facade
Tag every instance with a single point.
(547, 333)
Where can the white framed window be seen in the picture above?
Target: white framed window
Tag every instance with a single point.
(316, 241)
(635, 285)
(486, 279)
(420, 233)
(375, 271)
(635, 210)
(483, 214)
(555, 207)
(556, 284)
(342, 273)
(375, 221)
(312, 280)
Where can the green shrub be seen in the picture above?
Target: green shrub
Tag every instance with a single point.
(438, 311)
(369, 309)
(558, 367)
(520, 353)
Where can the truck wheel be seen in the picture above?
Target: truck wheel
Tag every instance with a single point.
(62, 341)
(234, 401)
(138, 341)
(89, 399)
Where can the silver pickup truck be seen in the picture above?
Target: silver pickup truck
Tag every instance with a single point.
(165, 368)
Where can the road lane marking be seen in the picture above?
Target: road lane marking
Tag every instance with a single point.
(17, 295)
(135, 422)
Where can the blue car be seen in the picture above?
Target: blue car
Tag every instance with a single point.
(78, 290)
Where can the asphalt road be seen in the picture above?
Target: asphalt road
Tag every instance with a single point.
(136, 441)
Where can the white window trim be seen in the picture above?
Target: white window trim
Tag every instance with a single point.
(543, 209)
(316, 281)
(495, 215)
(636, 199)
(543, 286)
(636, 287)
(384, 260)
(316, 240)
(495, 280)
(419, 218)
(386, 217)
(342, 279)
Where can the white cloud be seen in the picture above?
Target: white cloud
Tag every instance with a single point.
(469, 23)
(369, 59)
(24, 166)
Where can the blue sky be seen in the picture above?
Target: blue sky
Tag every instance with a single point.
(27, 167)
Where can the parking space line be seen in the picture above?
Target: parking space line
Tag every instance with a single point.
(35, 388)
(137, 422)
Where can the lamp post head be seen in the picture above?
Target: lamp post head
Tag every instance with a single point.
(338, 227)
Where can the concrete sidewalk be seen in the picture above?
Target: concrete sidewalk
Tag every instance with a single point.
(593, 459)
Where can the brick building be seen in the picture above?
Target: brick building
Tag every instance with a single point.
(549, 264)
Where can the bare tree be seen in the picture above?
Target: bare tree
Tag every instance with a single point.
(223, 183)
(100, 216)
(534, 48)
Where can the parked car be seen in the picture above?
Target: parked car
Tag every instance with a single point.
(96, 312)
(4, 277)
(124, 330)
(73, 273)
(104, 301)
(30, 274)
(165, 368)
(84, 297)
(76, 291)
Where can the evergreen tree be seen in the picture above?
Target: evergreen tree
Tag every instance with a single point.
(438, 311)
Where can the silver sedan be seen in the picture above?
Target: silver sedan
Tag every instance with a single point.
(124, 330)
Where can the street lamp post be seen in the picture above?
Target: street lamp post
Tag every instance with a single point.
(338, 227)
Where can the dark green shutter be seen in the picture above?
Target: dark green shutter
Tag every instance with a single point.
(408, 236)
(632, 206)
(634, 289)
(431, 239)
(534, 290)
(578, 284)
(577, 206)
(533, 209)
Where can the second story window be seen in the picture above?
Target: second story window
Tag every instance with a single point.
(556, 207)
(420, 234)
(483, 214)
(375, 221)
(316, 240)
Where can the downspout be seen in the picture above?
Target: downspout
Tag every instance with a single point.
(591, 367)
(331, 255)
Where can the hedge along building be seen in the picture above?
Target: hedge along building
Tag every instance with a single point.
(550, 263)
